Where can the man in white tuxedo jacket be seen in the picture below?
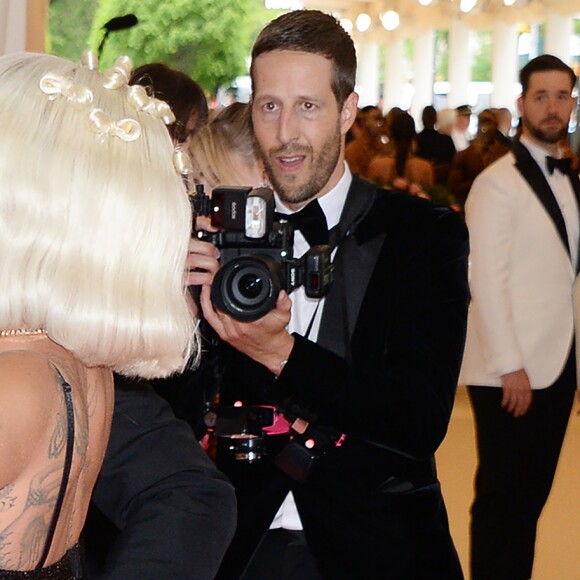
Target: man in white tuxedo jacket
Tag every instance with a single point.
(520, 363)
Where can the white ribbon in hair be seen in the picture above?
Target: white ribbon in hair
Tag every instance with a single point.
(102, 124)
(142, 101)
(55, 85)
(119, 74)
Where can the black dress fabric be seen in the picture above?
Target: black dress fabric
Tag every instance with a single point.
(67, 568)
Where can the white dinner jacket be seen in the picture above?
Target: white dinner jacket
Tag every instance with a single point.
(521, 281)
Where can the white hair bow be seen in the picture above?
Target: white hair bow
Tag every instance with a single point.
(119, 74)
(55, 85)
(102, 124)
(142, 101)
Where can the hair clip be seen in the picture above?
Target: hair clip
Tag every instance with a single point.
(125, 129)
(55, 85)
(139, 98)
(119, 74)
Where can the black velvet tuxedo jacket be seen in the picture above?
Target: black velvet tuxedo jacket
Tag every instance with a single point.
(384, 372)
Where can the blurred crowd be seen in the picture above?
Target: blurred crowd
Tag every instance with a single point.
(441, 161)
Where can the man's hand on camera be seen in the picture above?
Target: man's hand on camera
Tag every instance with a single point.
(202, 263)
(203, 223)
(265, 340)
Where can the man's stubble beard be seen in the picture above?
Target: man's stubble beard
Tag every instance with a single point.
(323, 166)
(544, 137)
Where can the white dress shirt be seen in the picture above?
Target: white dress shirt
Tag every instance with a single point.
(304, 309)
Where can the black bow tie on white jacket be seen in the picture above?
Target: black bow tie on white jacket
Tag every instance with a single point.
(562, 164)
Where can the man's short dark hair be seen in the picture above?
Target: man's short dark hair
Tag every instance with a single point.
(429, 117)
(463, 111)
(544, 63)
(316, 32)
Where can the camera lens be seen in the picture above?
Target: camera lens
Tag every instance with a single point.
(247, 287)
(250, 285)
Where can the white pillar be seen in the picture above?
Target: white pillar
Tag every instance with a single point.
(12, 26)
(368, 73)
(423, 72)
(395, 72)
(534, 41)
(459, 64)
(558, 33)
(504, 69)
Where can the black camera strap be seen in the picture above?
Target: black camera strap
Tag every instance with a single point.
(311, 323)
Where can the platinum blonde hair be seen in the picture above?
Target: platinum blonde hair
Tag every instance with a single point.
(94, 229)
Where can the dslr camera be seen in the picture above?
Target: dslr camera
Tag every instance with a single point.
(256, 253)
(256, 433)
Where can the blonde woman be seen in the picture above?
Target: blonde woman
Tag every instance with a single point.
(94, 231)
(223, 150)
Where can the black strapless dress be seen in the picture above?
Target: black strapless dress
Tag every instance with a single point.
(67, 568)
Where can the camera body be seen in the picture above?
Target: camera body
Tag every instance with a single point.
(248, 433)
(256, 433)
(256, 253)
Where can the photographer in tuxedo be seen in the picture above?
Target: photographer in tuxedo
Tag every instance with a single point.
(366, 375)
(520, 364)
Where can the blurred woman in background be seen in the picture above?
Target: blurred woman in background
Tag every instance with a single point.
(223, 150)
(400, 168)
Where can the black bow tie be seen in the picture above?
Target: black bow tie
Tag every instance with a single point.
(310, 220)
(562, 164)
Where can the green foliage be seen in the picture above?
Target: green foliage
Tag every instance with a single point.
(481, 68)
(207, 39)
(69, 23)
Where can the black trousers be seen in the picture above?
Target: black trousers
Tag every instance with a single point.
(517, 462)
(284, 555)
